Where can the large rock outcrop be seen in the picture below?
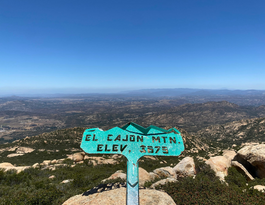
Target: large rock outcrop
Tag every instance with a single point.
(219, 165)
(77, 157)
(165, 172)
(185, 167)
(24, 150)
(253, 159)
(116, 175)
(163, 182)
(144, 176)
(259, 188)
(100, 160)
(242, 170)
(8, 166)
(229, 154)
(118, 197)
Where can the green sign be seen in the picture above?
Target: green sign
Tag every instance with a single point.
(133, 141)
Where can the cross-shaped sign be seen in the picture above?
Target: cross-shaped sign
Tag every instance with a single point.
(133, 141)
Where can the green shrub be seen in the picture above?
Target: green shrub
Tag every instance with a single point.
(33, 186)
(204, 169)
(235, 178)
(207, 189)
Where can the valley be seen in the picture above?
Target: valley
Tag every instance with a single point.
(40, 148)
(21, 117)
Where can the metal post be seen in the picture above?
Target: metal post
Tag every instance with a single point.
(132, 190)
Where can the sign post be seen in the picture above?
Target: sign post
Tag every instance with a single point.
(133, 141)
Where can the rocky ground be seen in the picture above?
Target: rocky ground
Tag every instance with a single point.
(225, 160)
(249, 161)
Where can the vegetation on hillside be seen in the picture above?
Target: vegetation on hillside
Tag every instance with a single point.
(33, 186)
(207, 189)
(48, 146)
(237, 132)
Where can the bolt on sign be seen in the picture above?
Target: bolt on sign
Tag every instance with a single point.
(133, 141)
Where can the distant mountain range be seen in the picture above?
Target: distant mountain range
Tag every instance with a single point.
(164, 92)
(176, 92)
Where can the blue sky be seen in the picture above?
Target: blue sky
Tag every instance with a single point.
(110, 45)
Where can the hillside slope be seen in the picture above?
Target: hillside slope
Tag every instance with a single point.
(194, 117)
(237, 132)
(60, 143)
(47, 146)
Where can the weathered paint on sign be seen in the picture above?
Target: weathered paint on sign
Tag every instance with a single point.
(133, 141)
